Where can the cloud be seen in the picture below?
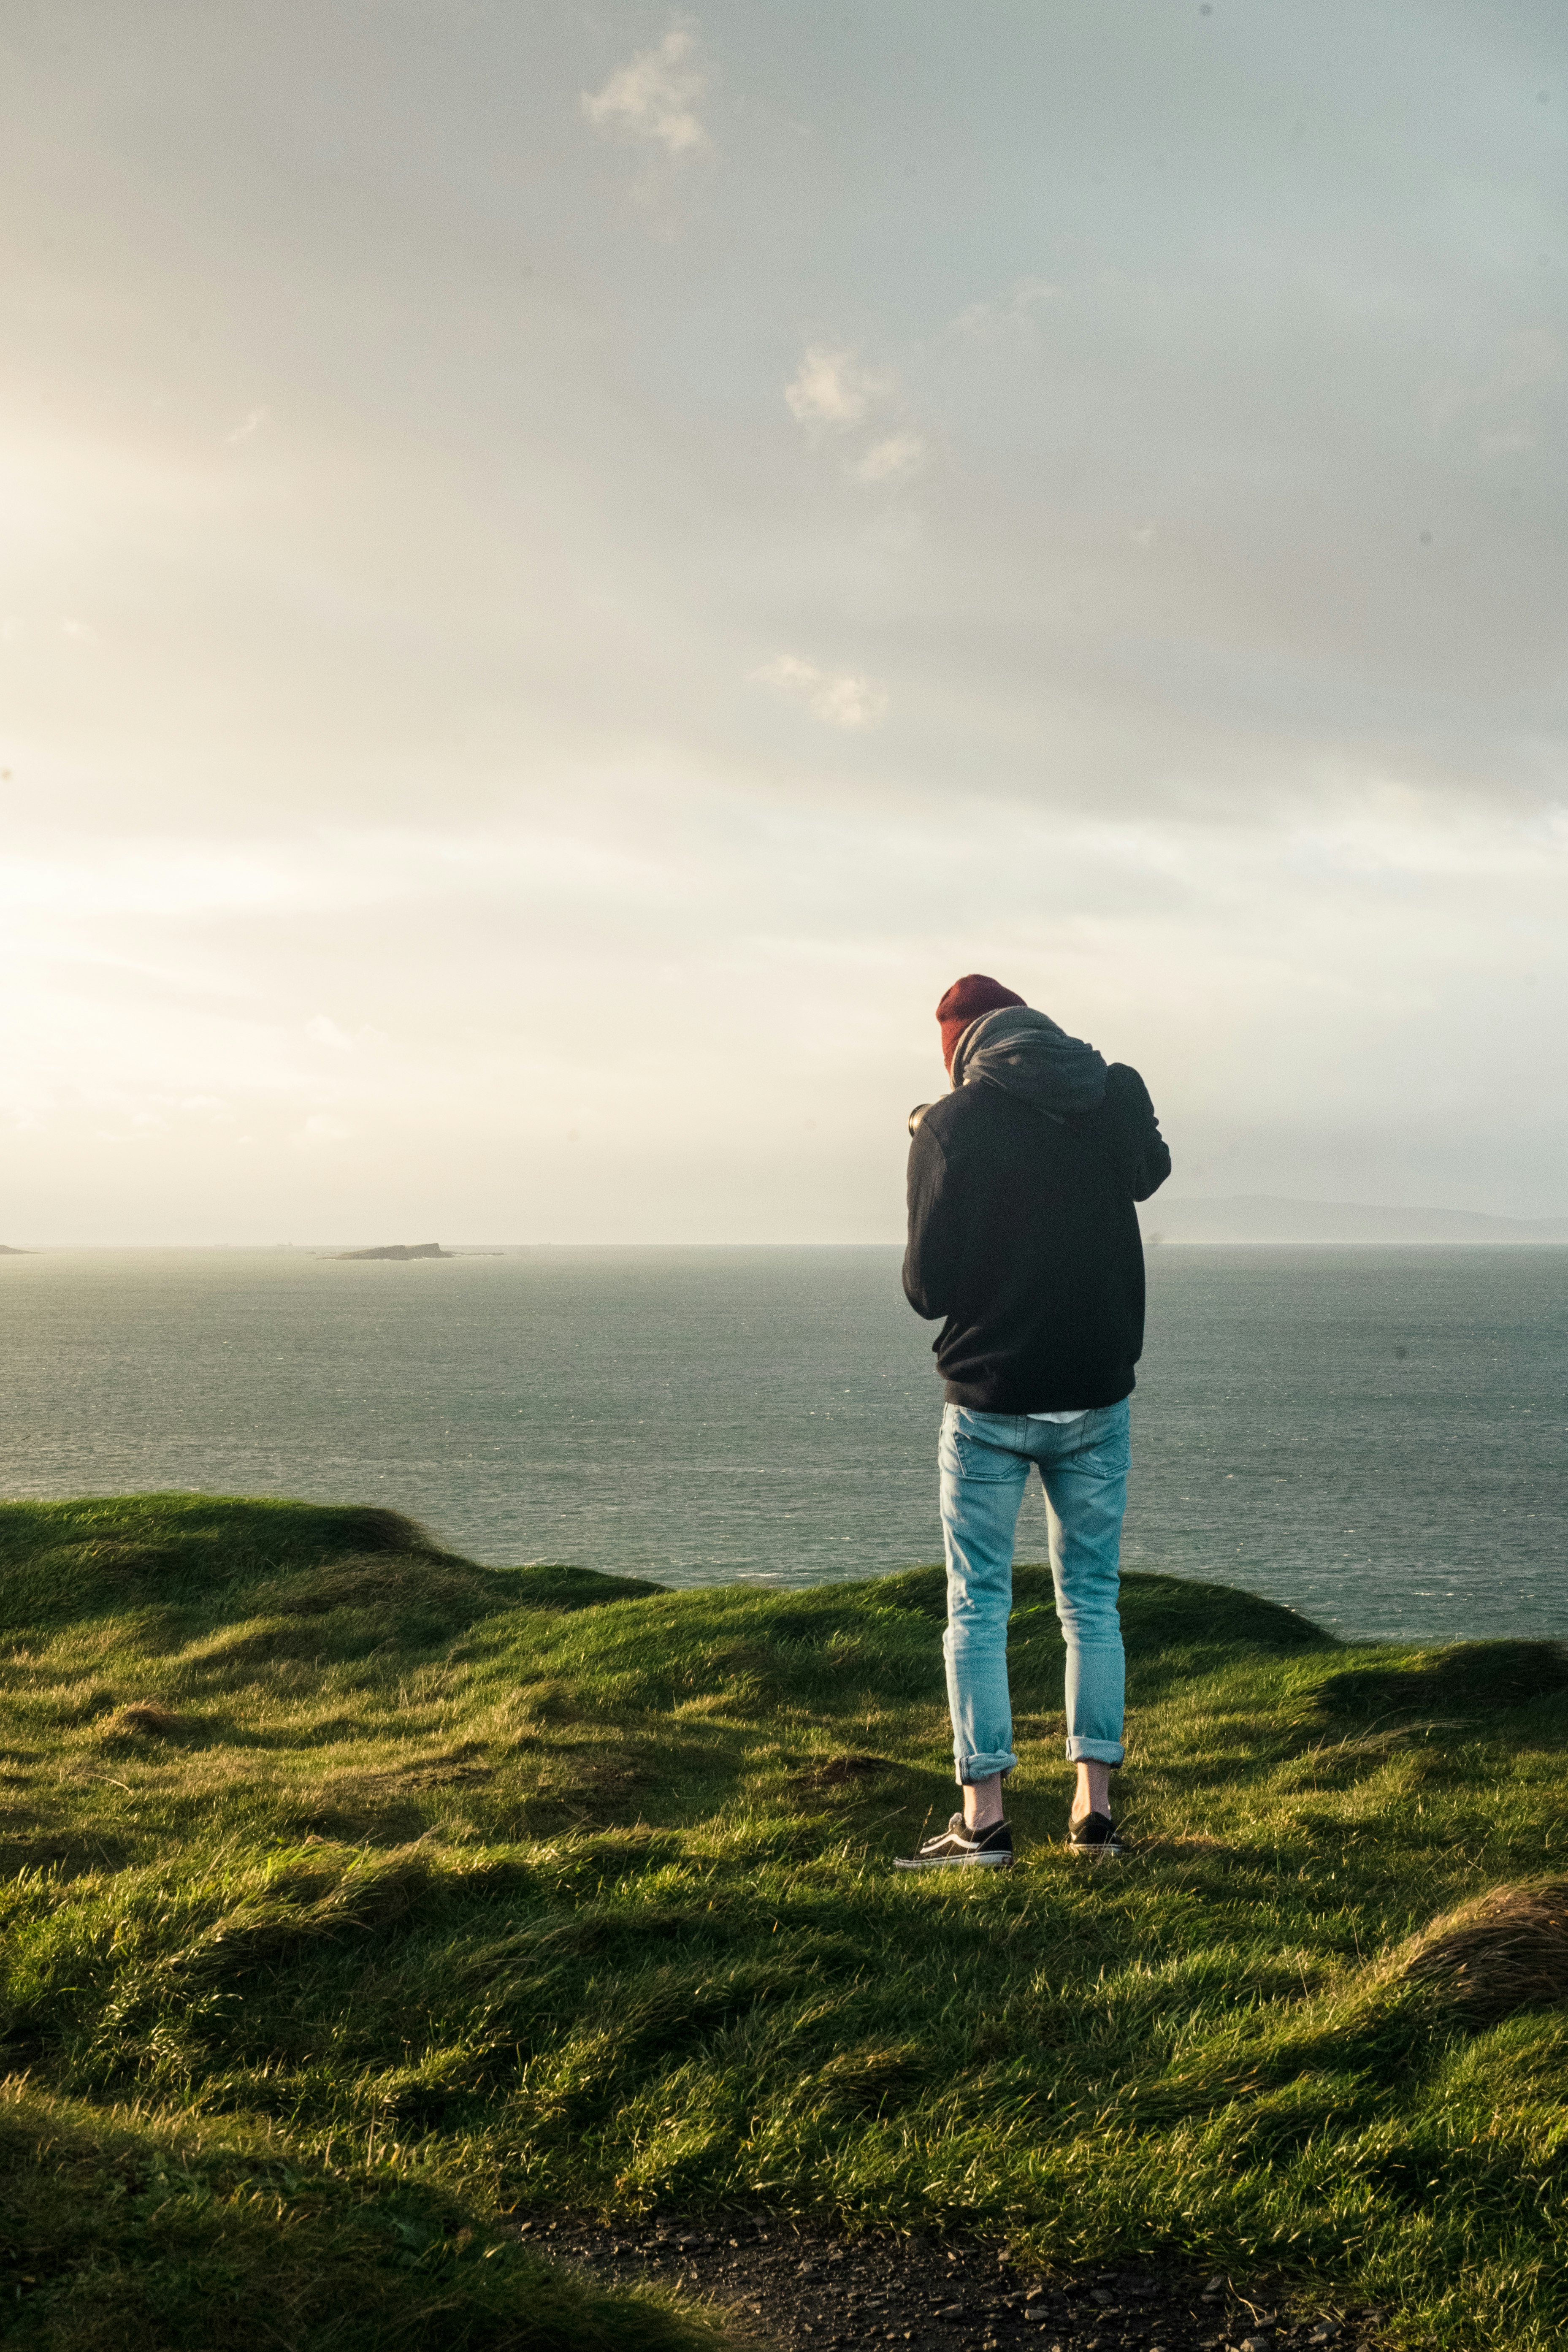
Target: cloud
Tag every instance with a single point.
(415, 724)
(246, 427)
(655, 97)
(892, 460)
(833, 389)
(324, 1031)
(984, 322)
(845, 700)
(833, 392)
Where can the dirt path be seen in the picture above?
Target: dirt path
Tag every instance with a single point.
(796, 2288)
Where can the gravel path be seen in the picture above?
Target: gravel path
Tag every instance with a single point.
(794, 2288)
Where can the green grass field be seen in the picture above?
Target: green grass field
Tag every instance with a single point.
(355, 1896)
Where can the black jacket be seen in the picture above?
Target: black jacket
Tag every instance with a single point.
(1023, 1234)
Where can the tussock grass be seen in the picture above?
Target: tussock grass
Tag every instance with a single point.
(361, 1892)
(1505, 1952)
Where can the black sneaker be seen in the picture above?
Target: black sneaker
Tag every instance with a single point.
(960, 1849)
(1094, 1839)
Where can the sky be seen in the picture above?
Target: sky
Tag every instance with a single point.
(565, 568)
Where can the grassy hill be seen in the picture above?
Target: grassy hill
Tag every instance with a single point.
(356, 1898)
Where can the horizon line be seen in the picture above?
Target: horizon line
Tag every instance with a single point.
(329, 1251)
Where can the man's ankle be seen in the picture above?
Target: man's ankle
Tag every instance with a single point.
(1093, 1793)
(982, 1803)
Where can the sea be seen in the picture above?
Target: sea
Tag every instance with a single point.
(1371, 1434)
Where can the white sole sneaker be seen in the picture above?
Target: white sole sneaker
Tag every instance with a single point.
(958, 1848)
(1104, 1846)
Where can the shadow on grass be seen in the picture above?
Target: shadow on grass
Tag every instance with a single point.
(118, 2231)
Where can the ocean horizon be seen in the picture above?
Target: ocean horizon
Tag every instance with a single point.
(1371, 1433)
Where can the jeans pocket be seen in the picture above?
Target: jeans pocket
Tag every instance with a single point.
(1108, 1442)
(968, 1452)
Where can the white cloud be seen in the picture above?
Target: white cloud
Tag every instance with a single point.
(833, 391)
(891, 460)
(844, 700)
(246, 427)
(331, 1035)
(324, 1031)
(984, 321)
(655, 97)
(832, 388)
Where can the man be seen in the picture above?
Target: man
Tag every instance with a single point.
(1024, 1238)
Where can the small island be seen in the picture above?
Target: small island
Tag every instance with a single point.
(401, 1251)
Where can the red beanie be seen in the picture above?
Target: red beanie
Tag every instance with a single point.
(966, 1001)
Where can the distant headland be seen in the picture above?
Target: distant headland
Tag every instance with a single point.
(401, 1251)
(1267, 1217)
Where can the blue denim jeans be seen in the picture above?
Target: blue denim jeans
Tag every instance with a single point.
(986, 1460)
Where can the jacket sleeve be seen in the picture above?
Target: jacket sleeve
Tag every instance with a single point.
(1150, 1153)
(932, 1258)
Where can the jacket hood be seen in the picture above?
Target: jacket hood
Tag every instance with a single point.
(1026, 1053)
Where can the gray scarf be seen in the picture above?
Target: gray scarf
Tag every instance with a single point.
(1026, 1054)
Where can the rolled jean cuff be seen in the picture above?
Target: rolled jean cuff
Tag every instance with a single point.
(967, 1770)
(1094, 1751)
